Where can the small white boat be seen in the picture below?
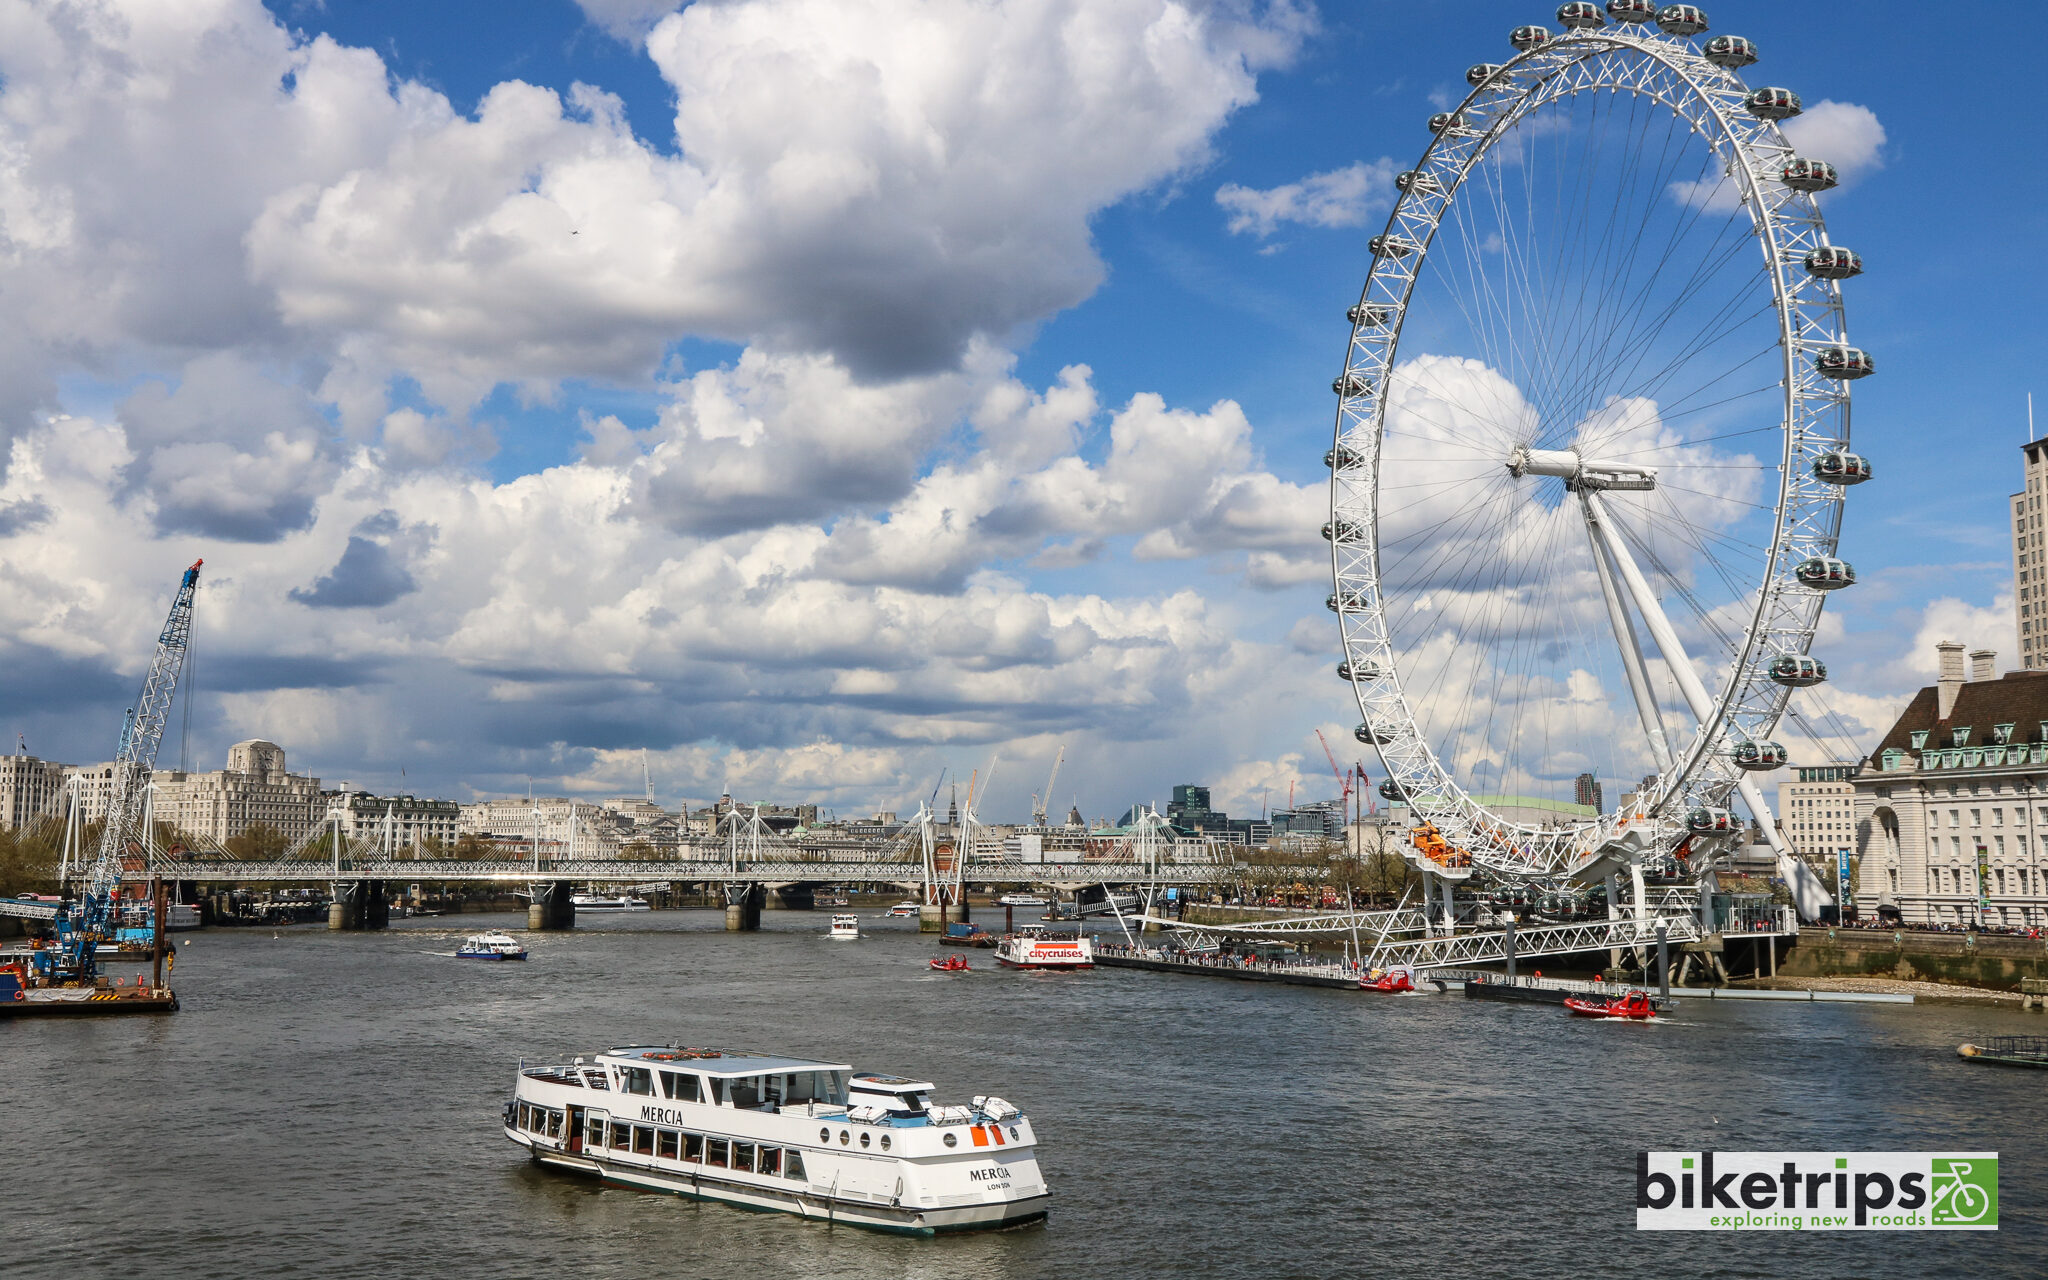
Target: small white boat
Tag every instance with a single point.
(902, 909)
(845, 928)
(495, 945)
(785, 1134)
(1022, 900)
(603, 902)
(1037, 949)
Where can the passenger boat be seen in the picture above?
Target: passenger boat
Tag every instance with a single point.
(603, 902)
(785, 1134)
(955, 963)
(1037, 949)
(495, 945)
(845, 928)
(1022, 900)
(1390, 981)
(1635, 1006)
(968, 934)
(902, 909)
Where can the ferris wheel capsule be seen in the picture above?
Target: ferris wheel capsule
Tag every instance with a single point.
(1369, 316)
(1843, 363)
(1581, 15)
(1368, 734)
(1450, 122)
(1772, 103)
(1351, 384)
(1394, 791)
(1825, 573)
(1386, 246)
(1339, 601)
(1809, 175)
(1354, 672)
(1527, 38)
(1732, 52)
(1480, 72)
(1632, 10)
(1760, 757)
(1797, 671)
(1839, 466)
(1415, 180)
(1833, 262)
(1709, 821)
(1342, 531)
(1681, 20)
(1342, 458)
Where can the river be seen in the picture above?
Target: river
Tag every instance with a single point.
(326, 1105)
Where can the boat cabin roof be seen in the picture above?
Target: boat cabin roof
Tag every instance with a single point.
(718, 1062)
(891, 1084)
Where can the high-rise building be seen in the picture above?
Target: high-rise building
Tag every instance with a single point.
(1586, 790)
(1817, 814)
(1189, 810)
(2029, 570)
(254, 788)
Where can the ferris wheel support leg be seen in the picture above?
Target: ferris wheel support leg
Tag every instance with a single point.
(1625, 636)
(1807, 893)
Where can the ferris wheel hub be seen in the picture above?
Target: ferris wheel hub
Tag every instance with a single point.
(1579, 471)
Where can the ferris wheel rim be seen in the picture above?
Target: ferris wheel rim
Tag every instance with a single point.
(1780, 619)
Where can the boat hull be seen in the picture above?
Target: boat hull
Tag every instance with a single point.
(487, 955)
(802, 1203)
(1008, 963)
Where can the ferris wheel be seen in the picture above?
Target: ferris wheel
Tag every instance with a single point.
(1592, 446)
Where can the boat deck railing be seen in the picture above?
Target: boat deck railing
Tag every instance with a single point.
(2018, 1047)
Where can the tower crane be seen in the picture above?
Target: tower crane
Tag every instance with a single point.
(87, 920)
(1039, 802)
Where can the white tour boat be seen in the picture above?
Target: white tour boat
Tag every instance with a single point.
(602, 902)
(902, 909)
(1023, 900)
(845, 928)
(495, 945)
(784, 1134)
(1037, 949)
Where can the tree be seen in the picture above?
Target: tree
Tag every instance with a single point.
(28, 858)
(472, 847)
(258, 842)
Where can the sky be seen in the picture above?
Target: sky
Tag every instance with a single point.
(822, 397)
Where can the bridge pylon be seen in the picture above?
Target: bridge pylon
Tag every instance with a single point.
(743, 903)
(358, 905)
(552, 906)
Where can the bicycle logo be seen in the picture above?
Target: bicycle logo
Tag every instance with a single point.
(1965, 1193)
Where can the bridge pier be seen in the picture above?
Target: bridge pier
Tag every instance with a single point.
(743, 903)
(552, 906)
(358, 905)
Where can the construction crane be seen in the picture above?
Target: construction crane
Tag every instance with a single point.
(1039, 802)
(87, 920)
(1344, 783)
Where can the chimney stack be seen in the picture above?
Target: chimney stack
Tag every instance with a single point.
(1983, 664)
(1949, 677)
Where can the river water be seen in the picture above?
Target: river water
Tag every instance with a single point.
(327, 1105)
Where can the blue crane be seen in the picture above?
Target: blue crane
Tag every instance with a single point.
(86, 920)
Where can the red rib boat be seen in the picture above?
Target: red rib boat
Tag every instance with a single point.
(955, 963)
(1392, 982)
(1635, 1006)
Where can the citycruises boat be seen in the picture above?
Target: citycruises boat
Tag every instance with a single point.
(1636, 1006)
(1022, 900)
(495, 945)
(902, 909)
(955, 963)
(602, 902)
(845, 928)
(1037, 949)
(1390, 981)
(784, 1134)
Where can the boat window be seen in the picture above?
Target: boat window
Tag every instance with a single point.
(693, 1148)
(679, 1084)
(666, 1146)
(593, 1132)
(793, 1167)
(865, 1139)
(622, 1136)
(716, 1152)
(743, 1156)
(519, 1122)
(770, 1160)
(554, 1124)
(746, 1092)
(717, 1090)
(833, 1088)
(643, 1140)
(637, 1080)
(885, 1142)
(797, 1089)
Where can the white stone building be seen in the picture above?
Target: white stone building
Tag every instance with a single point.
(30, 790)
(565, 828)
(1952, 806)
(400, 824)
(254, 788)
(1817, 814)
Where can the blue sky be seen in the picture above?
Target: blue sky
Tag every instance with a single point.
(560, 604)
